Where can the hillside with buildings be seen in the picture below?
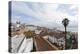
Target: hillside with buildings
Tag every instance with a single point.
(27, 38)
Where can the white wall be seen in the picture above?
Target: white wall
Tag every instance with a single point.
(26, 46)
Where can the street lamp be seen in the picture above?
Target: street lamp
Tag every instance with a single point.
(65, 22)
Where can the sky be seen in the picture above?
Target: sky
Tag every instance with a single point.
(48, 15)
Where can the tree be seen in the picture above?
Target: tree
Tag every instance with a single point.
(28, 34)
(65, 22)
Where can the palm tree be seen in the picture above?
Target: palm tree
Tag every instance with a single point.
(65, 22)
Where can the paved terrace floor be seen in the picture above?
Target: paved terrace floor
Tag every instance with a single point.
(43, 45)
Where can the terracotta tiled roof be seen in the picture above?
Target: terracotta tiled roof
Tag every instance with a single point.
(57, 34)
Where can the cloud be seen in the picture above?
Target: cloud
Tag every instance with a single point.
(45, 14)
